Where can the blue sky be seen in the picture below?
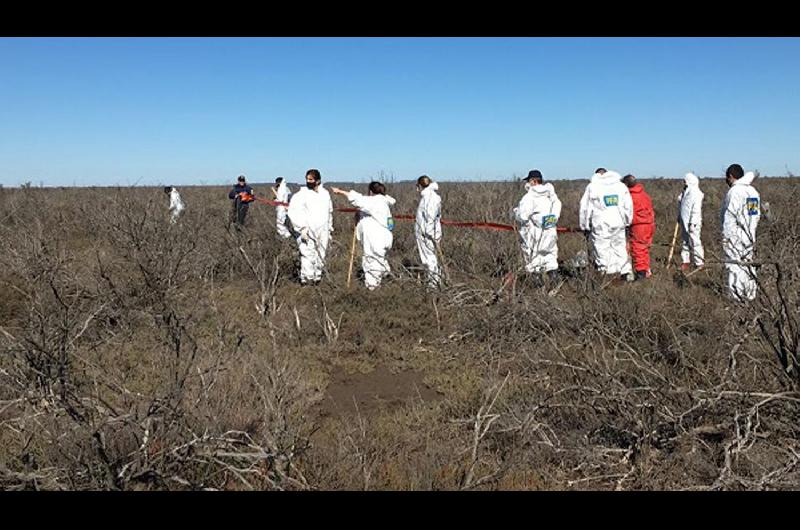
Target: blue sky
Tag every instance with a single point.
(119, 111)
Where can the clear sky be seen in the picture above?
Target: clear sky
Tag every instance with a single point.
(100, 111)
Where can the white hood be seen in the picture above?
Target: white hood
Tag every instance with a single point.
(432, 188)
(691, 202)
(746, 180)
(389, 199)
(546, 189)
(608, 177)
(691, 180)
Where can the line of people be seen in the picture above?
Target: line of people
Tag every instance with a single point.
(616, 215)
(612, 205)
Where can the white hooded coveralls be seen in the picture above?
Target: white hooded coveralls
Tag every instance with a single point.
(282, 195)
(537, 214)
(606, 210)
(311, 215)
(741, 210)
(176, 205)
(428, 230)
(691, 220)
(374, 231)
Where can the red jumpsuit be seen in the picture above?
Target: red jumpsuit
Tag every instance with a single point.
(643, 227)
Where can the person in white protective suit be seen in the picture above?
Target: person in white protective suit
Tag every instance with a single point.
(311, 214)
(606, 211)
(374, 230)
(176, 205)
(537, 215)
(282, 194)
(428, 227)
(690, 217)
(741, 210)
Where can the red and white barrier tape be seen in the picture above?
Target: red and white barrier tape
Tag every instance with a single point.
(460, 224)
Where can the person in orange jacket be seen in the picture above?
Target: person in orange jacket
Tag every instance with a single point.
(643, 227)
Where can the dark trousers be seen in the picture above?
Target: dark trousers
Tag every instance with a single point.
(239, 211)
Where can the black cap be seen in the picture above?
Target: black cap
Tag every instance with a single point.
(240, 178)
(534, 174)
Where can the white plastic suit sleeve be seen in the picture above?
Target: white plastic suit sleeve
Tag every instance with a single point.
(330, 215)
(283, 193)
(297, 212)
(360, 201)
(626, 207)
(585, 211)
(556, 207)
(431, 213)
(524, 210)
(696, 215)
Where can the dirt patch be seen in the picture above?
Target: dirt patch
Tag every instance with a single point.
(369, 393)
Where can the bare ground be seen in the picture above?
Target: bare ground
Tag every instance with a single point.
(142, 356)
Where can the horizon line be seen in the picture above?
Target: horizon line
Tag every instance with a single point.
(42, 185)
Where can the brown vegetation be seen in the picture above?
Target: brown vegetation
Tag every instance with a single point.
(139, 355)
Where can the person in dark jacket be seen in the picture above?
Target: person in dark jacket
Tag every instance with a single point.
(241, 195)
(643, 227)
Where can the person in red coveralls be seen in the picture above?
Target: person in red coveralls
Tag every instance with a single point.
(642, 229)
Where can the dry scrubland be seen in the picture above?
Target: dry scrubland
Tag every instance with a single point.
(136, 355)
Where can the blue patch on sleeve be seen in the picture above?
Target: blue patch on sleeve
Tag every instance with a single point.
(611, 200)
(752, 206)
(390, 223)
(548, 221)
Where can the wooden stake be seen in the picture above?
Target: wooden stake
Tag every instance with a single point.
(352, 256)
(672, 246)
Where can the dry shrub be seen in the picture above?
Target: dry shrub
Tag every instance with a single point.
(140, 355)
